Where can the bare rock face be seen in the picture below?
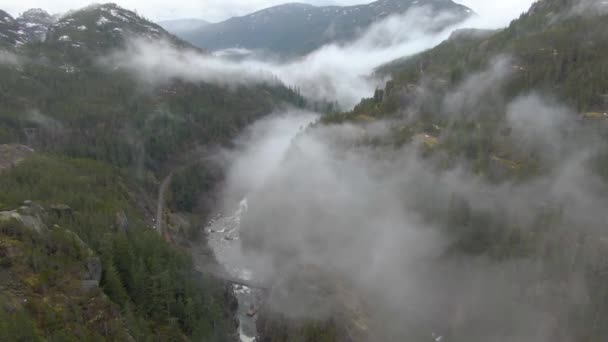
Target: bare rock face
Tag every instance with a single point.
(93, 266)
(122, 221)
(94, 269)
(29, 215)
(92, 276)
(61, 210)
(13, 154)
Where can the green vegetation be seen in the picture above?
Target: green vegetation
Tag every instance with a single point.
(42, 296)
(104, 140)
(289, 330)
(104, 116)
(61, 99)
(151, 283)
(545, 52)
(565, 57)
(189, 182)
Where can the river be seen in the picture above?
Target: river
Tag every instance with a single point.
(224, 240)
(260, 153)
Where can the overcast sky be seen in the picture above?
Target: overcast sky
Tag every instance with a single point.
(217, 10)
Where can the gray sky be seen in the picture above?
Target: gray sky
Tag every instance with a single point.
(217, 10)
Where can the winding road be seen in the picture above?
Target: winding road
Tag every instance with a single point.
(160, 205)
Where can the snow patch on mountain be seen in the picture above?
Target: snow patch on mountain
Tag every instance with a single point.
(35, 24)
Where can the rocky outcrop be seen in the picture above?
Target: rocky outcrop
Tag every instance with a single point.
(29, 215)
(33, 216)
(92, 276)
(122, 221)
(13, 154)
(93, 270)
(61, 210)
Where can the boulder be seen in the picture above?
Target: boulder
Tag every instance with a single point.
(61, 210)
(89, 285)
(31, 217)
(94, 269)
(122, 221)
(12, 154)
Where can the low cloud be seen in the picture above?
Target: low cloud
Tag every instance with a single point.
(8, 58)
(339, 73)
(386, 224)
(589, 7)
(496, 14)
(479, 90)
(254, 164)
(161, 62)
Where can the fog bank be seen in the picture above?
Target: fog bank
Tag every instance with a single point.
(340, 73)
(342, 215)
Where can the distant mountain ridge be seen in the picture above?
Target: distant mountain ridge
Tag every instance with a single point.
(296, 29)
(183, 26)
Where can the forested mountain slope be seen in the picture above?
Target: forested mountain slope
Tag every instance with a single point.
(60, 85)
(522, 114)
(551, 51)
(296, 29)
(465, 201)
(79, 258)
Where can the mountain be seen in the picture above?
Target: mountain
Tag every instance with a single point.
(11, 34)
(102, 27)
(35, 23)
(83, 150)
(554, 49)
(71, 52)
(296, 29)
(554, 46)
(31, 26)
(509, 108)
(87, 152)
(96, 27)
(182, 27)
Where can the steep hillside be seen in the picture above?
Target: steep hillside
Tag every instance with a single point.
(66, 99)
(80, 263)
(511, 110)
(296, 29)
(104, 139)
(62, 99)
(550, 49)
